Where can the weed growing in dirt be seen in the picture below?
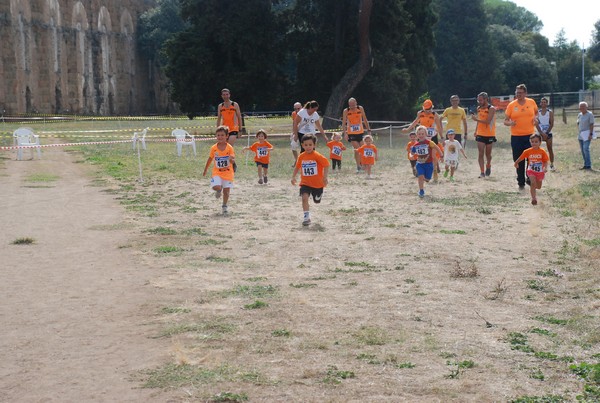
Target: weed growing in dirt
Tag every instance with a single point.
(591, 374)
(519, 341)
(537, 285)
(335, 376)
(543, 332)
(467, 271)
(551, 320)
(229, 397)
(371, 336)
(537, 374)
(161, 231)
(175, 309)
(258, 304)
(219, 259)
(303, 285)
(549, 273)
(42, 177)
(281, 333)
(498, 291)
(453, 231)
(168, 250)
(174, 375)
(540, 399)
(255, 291)
(210, 330)
(23, 241)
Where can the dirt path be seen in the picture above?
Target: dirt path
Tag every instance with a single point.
(73, 305)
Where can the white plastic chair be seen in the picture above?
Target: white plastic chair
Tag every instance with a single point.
(184, 139)
(141, 137)
(24, 136)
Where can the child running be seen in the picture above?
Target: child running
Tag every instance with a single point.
(412, 158)
(313, 169)
(537, 165)
(368, 154)
(222, 174)
(262, 154)
(451, 156)
(425, 150)
(335, 151)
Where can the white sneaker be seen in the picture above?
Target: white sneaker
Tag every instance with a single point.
(306, 222)
(552, 168)
(225, 210)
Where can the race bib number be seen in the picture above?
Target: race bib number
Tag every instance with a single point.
(536, 166)
(430, 131)
(369, 152)
(262, 152)
(222, 162)
(336, 150)
(355, 128)
(422, 150)
(309, 168)
(544, 128)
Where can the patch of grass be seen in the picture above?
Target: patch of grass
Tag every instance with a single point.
(255, 279)
(194, 231)
(176, 375)
(540, 399)
(462, 364)
(588, 372)
(23, 241)
(369, 358)
(210, 330)
(303, 285)
(359, 264)
(537, 285)
(210, 241)
(544, 355)
(219, 259)
(484, 210)
(168, 249)
(229, 397)
(318, 278)
(519, 341)
(253, 291)
(281, 333)
(543, 332)
(371, 336)
(258, 304)
(335, 376)
(537, 374)
(42, 177)
(453, 231)
(551, 320)
(161, 231)
(403, 365)
(592, 242)
(549, 273)
(410, 280)
(175, 309)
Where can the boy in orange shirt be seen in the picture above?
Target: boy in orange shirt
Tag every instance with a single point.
(262, 155)
(412, 157)
(537, 165)
(335, 151)
(313, 169)
(222, 174)
(368, 154)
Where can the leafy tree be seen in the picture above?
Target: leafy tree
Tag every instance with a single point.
(465, 56)
(507, 13)
(226, 44)
(156, 26)
(594, 50)
(537, 73)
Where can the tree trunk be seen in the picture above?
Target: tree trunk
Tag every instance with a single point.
(356, 73)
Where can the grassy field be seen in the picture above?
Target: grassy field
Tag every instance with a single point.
(468, 295)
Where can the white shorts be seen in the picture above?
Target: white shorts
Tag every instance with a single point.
(451, 163)
(295, 145)
(218, 181)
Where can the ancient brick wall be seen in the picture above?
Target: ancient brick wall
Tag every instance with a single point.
(76, 56)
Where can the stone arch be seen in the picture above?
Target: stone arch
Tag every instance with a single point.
(52, 19)
(84, 73)
(21, 22)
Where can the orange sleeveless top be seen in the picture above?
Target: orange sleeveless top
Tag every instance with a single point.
(228, 114)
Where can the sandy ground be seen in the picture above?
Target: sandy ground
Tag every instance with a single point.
(371, 284)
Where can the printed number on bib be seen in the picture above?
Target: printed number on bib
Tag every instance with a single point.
(422, 150)
(430, 131)
(222, 162)
(355, 128)
(309, 168)
(336, 150)
(369, 152)
(262, 152)
(536, 167)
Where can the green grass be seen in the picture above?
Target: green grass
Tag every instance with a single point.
(540, 399)
(175, 309)
(453, 231)
(42, 177)
(258, 304)
(161, 231)
(253, 291)
(371, 336)
(551, 320)
(23, 241)
(163, 250)
(303, 285)
(281, 333)
(209, 330)
(335, 376)
(219, 259)
(229, 397)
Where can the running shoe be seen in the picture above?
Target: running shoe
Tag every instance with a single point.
(218, 194)
(260, 181)
(534, 202)
(452, 179)
(421, 193)
(552, 168)
(265, 180)
(482, 175)
(488, 171)
(225, 210)
(306, 222)
(445, 174)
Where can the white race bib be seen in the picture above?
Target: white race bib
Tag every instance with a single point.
(336, 150)
(355, 128)
(430, 132)
(309, 168)
(536, 166)
(262, 152)
(368, 152)
(222, 162)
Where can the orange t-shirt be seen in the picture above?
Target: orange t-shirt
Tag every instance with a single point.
(262, 152)
(223, 166)
(229, 116)
(311, 168)
(409, 155)
(535, 159)
(335, 149)
(367, 154)
(523, 116)
(482, 129)
(355, 121)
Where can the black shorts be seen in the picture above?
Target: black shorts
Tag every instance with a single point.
(232, 134)
(435, 139)
(485, 139)
(549, 135)
(355, 137)
(316, 193)
(260, 164)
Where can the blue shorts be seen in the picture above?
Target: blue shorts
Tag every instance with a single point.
(425, 169)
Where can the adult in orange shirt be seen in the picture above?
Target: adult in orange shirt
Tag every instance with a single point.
(485, 133)
(223, 155)
(313, 168)
(354, 123)
(537, 165)
(228, 114)
(430, 119)
(521, 117)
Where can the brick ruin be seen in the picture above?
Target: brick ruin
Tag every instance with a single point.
(76, 56)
